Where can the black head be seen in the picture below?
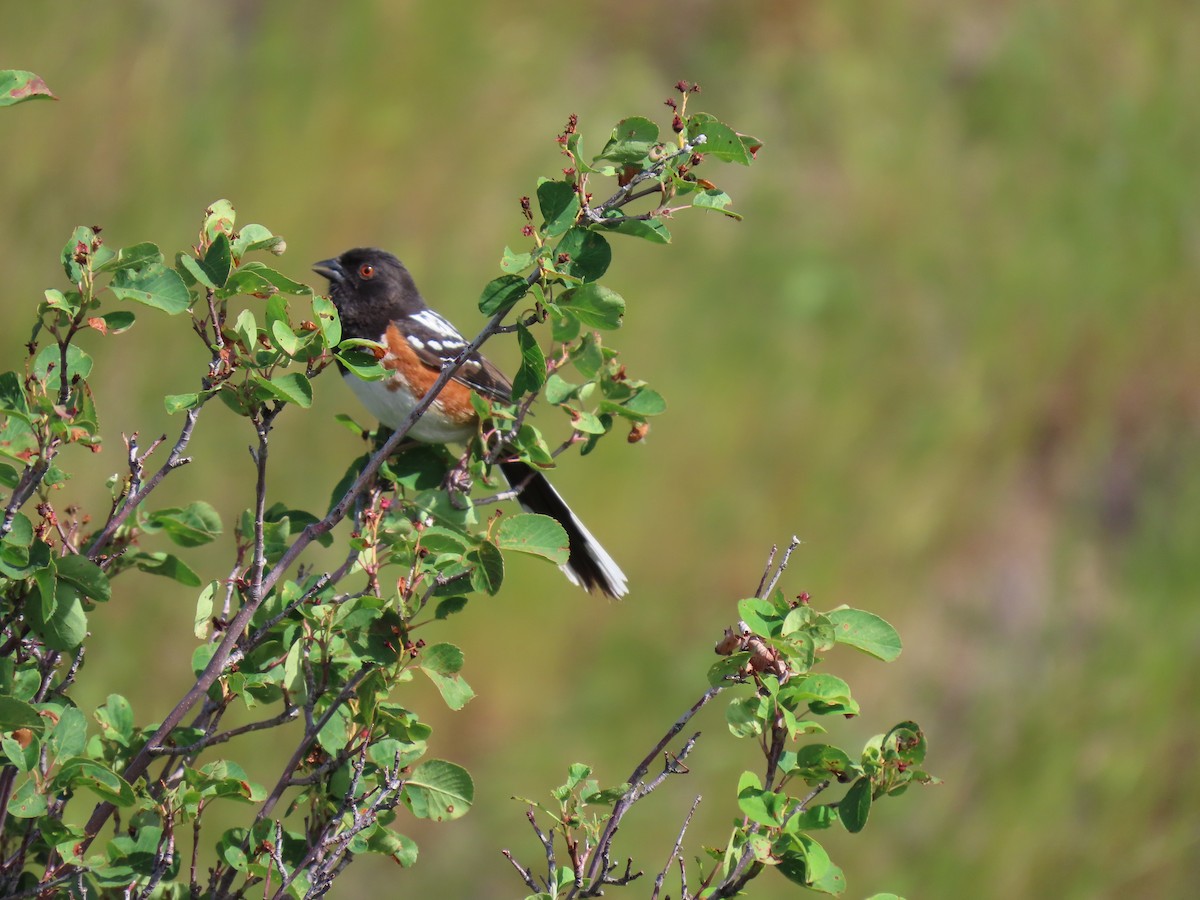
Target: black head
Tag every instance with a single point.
(370, 288)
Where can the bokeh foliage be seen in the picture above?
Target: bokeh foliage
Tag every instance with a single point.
(962, 364)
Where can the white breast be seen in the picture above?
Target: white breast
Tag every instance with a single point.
(392, 407)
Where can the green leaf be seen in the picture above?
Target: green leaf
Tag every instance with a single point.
(514, 262)
(80, 242)
(167, 565)
(219, 218)
(717, 200)
(116, 718)
(906, 742)
(17, 86)
(867, 632)
(532, 373)
(442, 663)
(84, 575)
(559, 205)
(279, 329)
(593, 305)
(438, 790)
(645, 402)
(744, 716)
(558, 390)
(49, 358)
(563, 328)
(448, 607)
(631, 140)
(856, 805)
(589, 253)
(487, 570)
(400, 848)
(16, 714)
(816, 762)
(587, 423)
(500, 294)
(174, 403)
(79, 771)
(328, 321)
(27, 801)
(256, 237)
(717, 139)
(136, 256)
(723, 669)
(12, 394)
(362, 362)
(764, 807)
(290, 387)
(273, 277)
(814, 818)
(152, 283)
(759, 615)
(69, 736)
(65, 627)
(651, 230)
(588, 357)
(804, 861)
(534, 534)
(204, 610)
(218, 260)
(118, 321)
(335, 735)
(190, 526)
(824, 694)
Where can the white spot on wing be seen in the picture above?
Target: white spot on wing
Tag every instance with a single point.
(438, 325)
(435, 346)
(415, 341)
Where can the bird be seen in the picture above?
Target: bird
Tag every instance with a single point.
(377, 300)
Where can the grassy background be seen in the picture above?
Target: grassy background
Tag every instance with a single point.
(960, 346)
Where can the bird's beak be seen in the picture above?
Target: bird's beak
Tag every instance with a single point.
(331, 269)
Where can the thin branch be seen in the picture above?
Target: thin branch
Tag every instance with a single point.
(548, 844)
(673, 765)
(133, 500)
(310, 735)
(783, 564)
(760, 591)
(30, 478)
(636, 791)
(286, 716)
(658, 882)
(526, 874)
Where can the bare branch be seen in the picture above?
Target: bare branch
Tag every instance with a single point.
(526, 874)
(135, 498)
(636, 791)
(658, 882)
(783, 564)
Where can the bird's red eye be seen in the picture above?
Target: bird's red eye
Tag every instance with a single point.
(366, 270)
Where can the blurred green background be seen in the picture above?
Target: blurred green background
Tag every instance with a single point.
(959, 353)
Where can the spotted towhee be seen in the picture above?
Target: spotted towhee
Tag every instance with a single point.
(377, 300)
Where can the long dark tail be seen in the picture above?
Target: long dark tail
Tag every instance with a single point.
(589, 564)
